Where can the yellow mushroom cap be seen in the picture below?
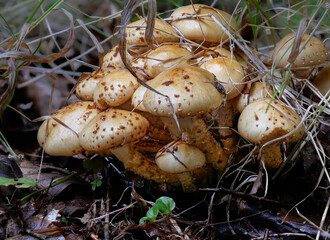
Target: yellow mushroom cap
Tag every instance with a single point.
(261, 122)
(87, 83)
(163, 32)
(229, 73)
(138, 97)
(322, 80)
(114, 89)
(314, 53)
(112, 128)
(179, 157)
(112, 60)
(191, 90)
(203, 28)
(60, 141)
(163, 57)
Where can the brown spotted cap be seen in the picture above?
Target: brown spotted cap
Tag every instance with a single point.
(114, 89)
(112, 128)
(191, 90)
(60, 141)
(261, 122)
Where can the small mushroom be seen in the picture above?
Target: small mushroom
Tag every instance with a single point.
(163, 57)
(114, 131)
(112, 60)
(229, 73)
(181, 159)
(192, 92)
(322, 80)
(257, 91)
(57, 139)
(202, 28)
(313, 54)
(163, 32)
(114, 89)
(87, 82)
(262, 121)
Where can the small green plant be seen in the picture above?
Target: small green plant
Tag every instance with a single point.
(93, 165)
(96, 183)
(164, 205)
(18, 182)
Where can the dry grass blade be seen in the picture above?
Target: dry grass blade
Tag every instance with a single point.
(297, 41)
(98, 46)
(6, 97)
(152, 10)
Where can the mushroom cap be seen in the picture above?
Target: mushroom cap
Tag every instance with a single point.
(322, 80)
(112, 60)
(138, 97)
(114, 89)
(203, 28)
(87, 82)
(191, 90)
(60, 141)
(229, 73)
(112, 128)
(162, 58)
(163, 32)
(314, 53)
(257, 91)
(179, 157)
(259, 125)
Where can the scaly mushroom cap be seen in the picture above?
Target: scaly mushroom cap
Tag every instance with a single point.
(115, 89)
(314, 53)
(213, 52)
(191, 90)
(259, 125)
(112, 128)
(322, 80)
(203, 28)
(138, 97)
(60, 141)
(163, 32)
(229, 73)
(179, 157)
(112, 60)
(257, 91)
(162, 58)
(87, 82)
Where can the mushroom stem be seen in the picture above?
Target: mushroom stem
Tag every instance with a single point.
(272, 155)
(187, 181)
(146, 167)
(194, 131)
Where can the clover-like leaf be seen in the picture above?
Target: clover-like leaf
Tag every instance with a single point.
(165, 204)
(151, 215)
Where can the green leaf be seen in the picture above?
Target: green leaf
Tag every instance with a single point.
(96, 183)
(18, 182)
(165, 204)
(151, 214)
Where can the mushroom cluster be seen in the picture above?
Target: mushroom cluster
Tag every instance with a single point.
(192, 82)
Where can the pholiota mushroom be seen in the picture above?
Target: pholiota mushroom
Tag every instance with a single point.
(163, 57)
(193, 22)
(57, 139)
(229, 73)
(192, 92)
(115, 131)
(313, 54)
(114, 89)
(262, 121)
(163, 32)
(181, 159)
(87, 83)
